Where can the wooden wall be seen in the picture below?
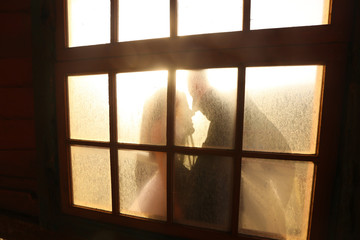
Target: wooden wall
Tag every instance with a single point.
(18, 181)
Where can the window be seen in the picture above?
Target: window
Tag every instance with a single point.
(198, 118)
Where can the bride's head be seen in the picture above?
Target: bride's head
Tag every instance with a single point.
(153, 127)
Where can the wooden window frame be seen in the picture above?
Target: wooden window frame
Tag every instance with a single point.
(324, 45)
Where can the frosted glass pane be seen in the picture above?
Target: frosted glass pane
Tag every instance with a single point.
(282, 108)
(141, 107)
(143, 19)
(91, 177)
(285, 13)
(203, 191)
(142, 177)
(211, 96)
(209, 16)
(275, 198)
(88, 22)
(89, 107)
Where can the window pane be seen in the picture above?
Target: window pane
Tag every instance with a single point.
(211, 93)
(275, 198)
(88, 22)
(141, 107)
(285, 13)
(91, 177)
(143, 19)
(202, 191)
(142, 177)
(209, 16)
(282, 108)
(89, 107)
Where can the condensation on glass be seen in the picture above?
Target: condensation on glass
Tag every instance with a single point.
(275, 198)
(209, 16)
(141, 107)
(89, 107)
(203, 191)
(142, 178)
(282, 107)
(211, 97)
(91, 177)
(88, 22)
(266, 14)
(143, 19)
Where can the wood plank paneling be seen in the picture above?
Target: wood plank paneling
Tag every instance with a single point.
(18, 178)
(16, 103)
(19, 184)
(18, 163)
(17, 134)
(15, 72)
(15, 24)
(15, 6)
(18, 201)
(15, 31)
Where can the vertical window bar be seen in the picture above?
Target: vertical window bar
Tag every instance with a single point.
(66, 23)
(246, 15)
(114, 21)
(312, 201)
(67, 141)
(238, 149)
(64, 156)
(113, 149)
(170, 142)
(173, 18)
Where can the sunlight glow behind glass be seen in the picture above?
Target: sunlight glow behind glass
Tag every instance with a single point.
(284, 13)
(209, 16)
(226, 75)
(88, 22)
(223, 80)
(89, 107)
(91, 177)
(143, 19)
(264, 78)
(275, 198)
(287, 96)
(132, 91)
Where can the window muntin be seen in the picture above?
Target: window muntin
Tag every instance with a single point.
(263, 48)
(88, 22)
(143, 175)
